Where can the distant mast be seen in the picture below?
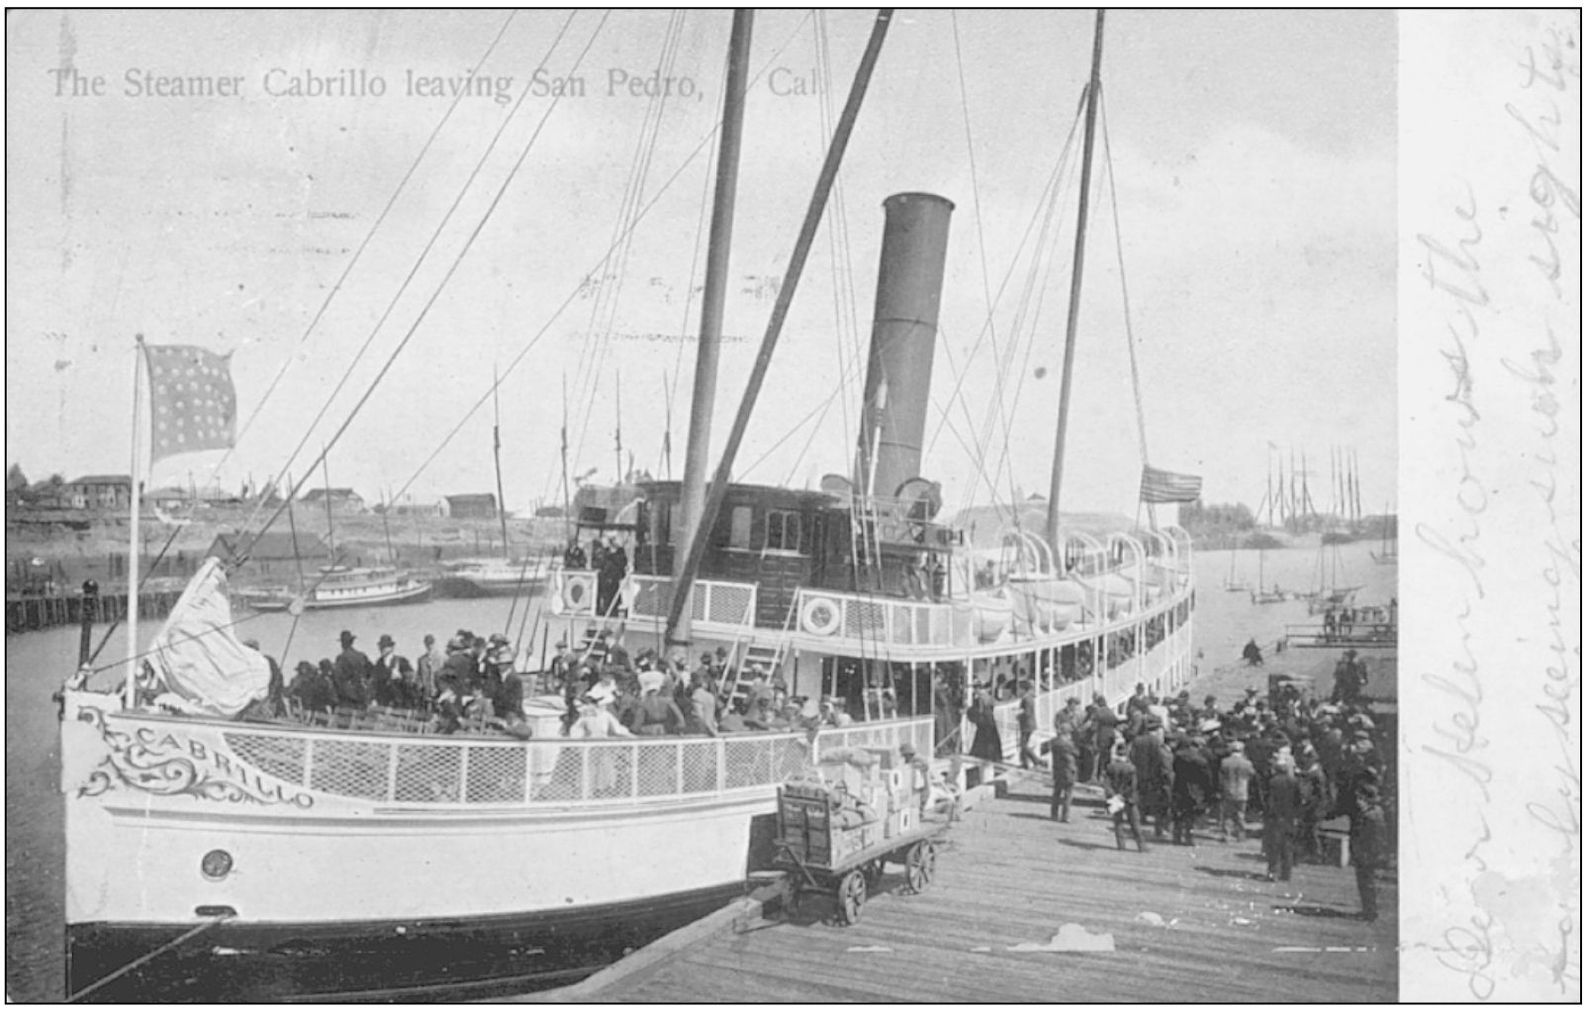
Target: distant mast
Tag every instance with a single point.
(496, 459)
(692, 499)
(1056, 477)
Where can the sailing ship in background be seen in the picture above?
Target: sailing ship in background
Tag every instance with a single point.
(1260, 594)
(1232, 582)
(1387, 544)
(1328, 592)
(209, 857)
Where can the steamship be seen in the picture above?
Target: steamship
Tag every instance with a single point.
(211, 858)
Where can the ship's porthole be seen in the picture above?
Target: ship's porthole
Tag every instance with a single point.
(216, 864)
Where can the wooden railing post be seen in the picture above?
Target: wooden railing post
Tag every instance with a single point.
(529, 786)
(391, 772)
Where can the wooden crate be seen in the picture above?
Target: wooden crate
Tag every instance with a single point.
(901, 821)
(807, 828)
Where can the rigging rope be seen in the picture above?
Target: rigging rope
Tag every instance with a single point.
(997, 405)
(604, 311)
(1034, 290)
(457, 260)
(770, 63)
(368, 236)
(569, 299)
(1125, 296)
(1030, 299)
(413, 271)
(846, 315)
(313, 322)
(957, 395)
(689, 303)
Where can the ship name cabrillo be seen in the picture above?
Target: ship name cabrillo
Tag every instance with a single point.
(168, 765)
(251, 781)
(352, 82)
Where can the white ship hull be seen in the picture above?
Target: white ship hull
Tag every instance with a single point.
(340, 843)
(383, 866)
(484, 578)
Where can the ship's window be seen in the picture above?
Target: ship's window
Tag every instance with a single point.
(739, 528)
(783, 530)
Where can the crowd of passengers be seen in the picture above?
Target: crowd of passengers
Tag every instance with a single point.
(1293, 761)
(606, 691)
(472, 678)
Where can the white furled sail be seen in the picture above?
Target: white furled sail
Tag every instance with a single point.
(198, 655)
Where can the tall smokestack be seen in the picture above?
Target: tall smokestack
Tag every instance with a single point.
(904, 331)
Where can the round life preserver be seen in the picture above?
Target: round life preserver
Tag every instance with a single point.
(820, 616)
(578, 591)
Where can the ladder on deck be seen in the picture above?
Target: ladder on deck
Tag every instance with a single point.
(751, 652)
(594, 625)
(864, 549)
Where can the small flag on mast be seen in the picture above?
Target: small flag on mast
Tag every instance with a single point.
(1170, 487)
(192, 400)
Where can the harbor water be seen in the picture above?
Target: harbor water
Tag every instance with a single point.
(37, 663)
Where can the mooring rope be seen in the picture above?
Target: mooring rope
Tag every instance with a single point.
(178, 941)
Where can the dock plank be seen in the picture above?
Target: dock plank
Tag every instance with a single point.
(1008, 876)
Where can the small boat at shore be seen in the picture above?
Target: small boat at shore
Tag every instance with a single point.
(343, 587)
(485, 577)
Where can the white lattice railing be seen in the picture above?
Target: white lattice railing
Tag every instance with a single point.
(555, 773)
(715, 601)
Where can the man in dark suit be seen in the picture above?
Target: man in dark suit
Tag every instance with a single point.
(394, 682)
(1193, 784)
(1368, 842)
(350, 674)
(1155, 773)
(1280, 819)
(1120, 780)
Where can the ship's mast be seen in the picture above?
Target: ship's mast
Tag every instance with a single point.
(563, 437)
(617, 430)
(135, 522)
(331, 524)
(685, 573)
(496, 460)
(692, 499)
(1056, 477)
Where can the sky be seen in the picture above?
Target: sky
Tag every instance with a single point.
(1253, 163)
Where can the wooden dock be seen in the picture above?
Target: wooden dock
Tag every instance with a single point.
(1189, 924)
(25, 613)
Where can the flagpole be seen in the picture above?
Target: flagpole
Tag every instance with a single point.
(130, 690)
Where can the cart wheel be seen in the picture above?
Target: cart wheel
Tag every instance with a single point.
(852, 896)
(919, 864)
(788, 896)
(874, 873)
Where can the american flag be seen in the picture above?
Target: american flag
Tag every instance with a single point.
(1169, 486)
(193, 400)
